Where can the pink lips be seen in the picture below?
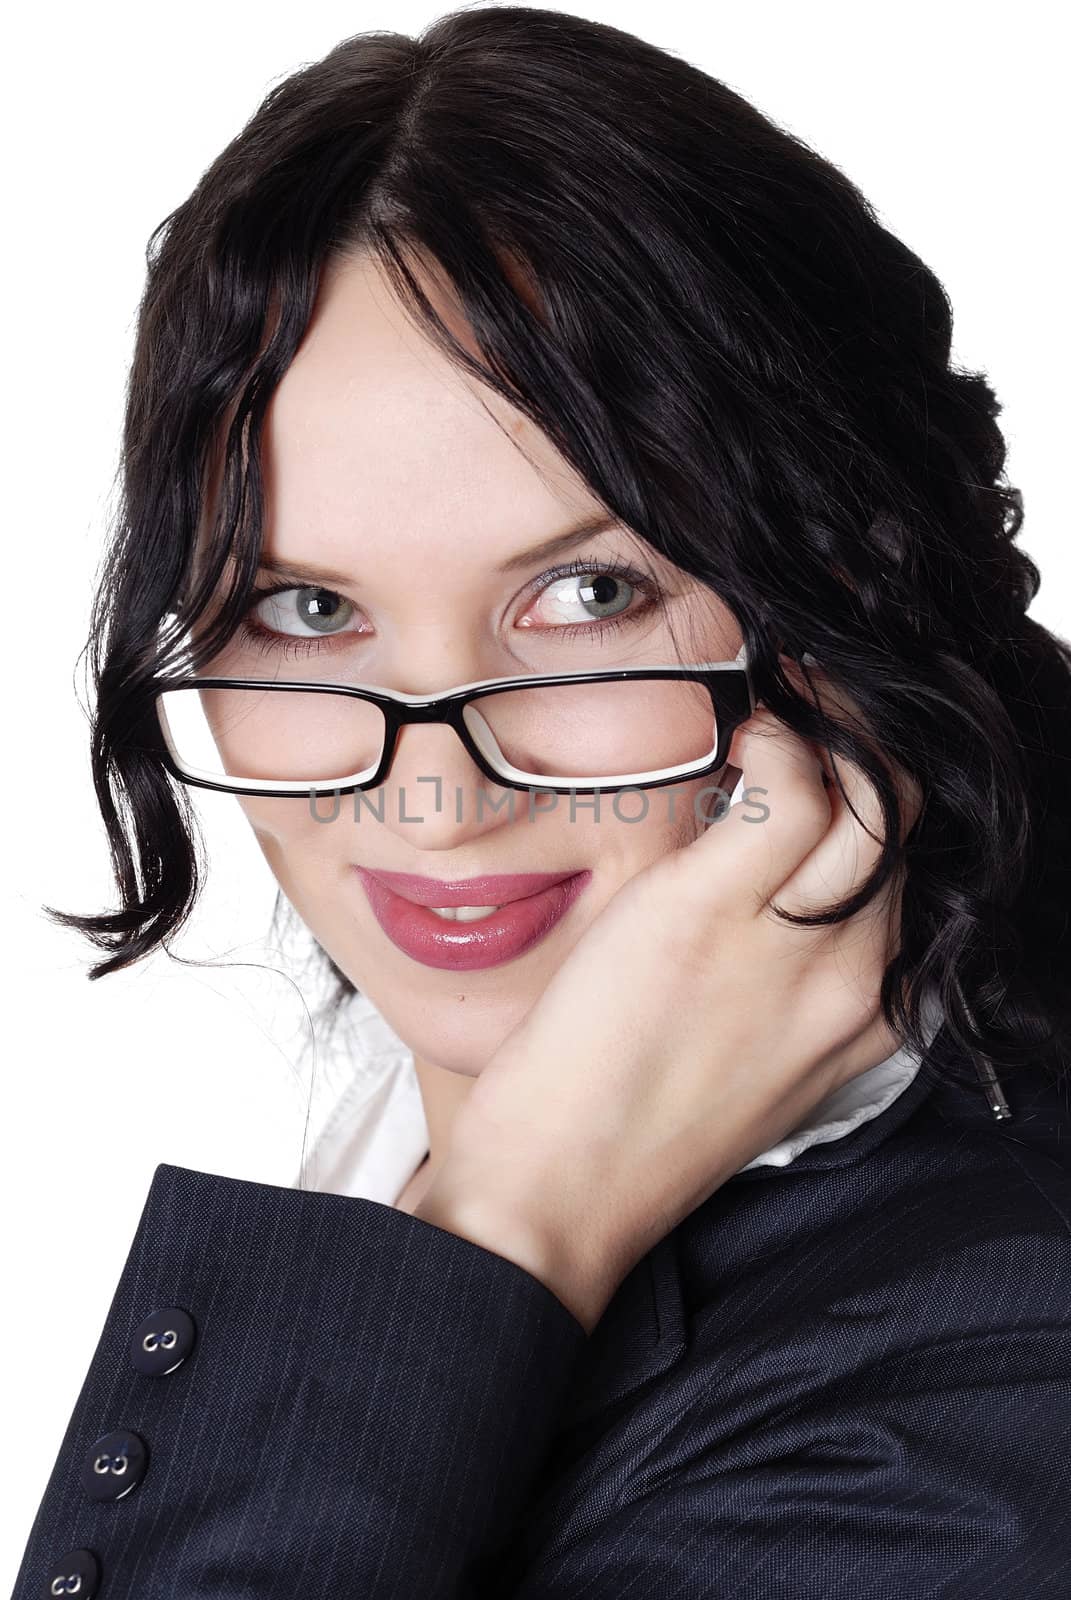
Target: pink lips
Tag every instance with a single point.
(531, 904)
(486, 891)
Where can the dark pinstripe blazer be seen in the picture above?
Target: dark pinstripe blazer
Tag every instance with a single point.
(847, 1377)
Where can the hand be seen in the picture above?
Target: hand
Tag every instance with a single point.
(687, 1031)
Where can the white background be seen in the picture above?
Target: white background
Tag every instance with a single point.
(948, 118)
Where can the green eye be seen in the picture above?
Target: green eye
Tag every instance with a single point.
(287, 611)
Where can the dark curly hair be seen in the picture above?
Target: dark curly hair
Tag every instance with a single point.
(743, 364)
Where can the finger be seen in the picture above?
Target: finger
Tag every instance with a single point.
(754, 850)
(848, 854)
(849, 851)
(835, 701)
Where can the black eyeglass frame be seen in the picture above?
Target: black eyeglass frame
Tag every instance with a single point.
(728, 683)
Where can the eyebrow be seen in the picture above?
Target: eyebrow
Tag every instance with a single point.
(599, 522)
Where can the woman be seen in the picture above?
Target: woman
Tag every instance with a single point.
(523, 382)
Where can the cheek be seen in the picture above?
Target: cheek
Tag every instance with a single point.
(299, 828)
(304, 859)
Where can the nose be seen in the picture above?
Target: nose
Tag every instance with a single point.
(434, 795)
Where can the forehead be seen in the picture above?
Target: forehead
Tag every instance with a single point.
(375, 441)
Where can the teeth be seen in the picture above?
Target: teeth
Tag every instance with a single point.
(464, 913)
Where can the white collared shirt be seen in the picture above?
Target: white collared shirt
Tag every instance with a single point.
(368, 1132)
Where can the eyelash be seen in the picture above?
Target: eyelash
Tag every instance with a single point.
(291, 644)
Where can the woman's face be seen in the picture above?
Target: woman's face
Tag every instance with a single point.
(383, 467)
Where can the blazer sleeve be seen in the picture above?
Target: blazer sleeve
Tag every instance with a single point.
(304, 1394)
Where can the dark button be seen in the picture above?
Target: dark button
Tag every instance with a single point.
(163, 1341)
(115, 1465)
(75, 1572)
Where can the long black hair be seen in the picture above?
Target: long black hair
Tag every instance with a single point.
(743, 364)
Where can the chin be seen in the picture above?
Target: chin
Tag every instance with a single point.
(456, 1029)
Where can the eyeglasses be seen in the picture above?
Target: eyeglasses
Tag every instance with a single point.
(634, 727)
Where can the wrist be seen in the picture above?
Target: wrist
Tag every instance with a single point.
(516, 1222)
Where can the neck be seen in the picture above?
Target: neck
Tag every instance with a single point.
(443, 1093)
